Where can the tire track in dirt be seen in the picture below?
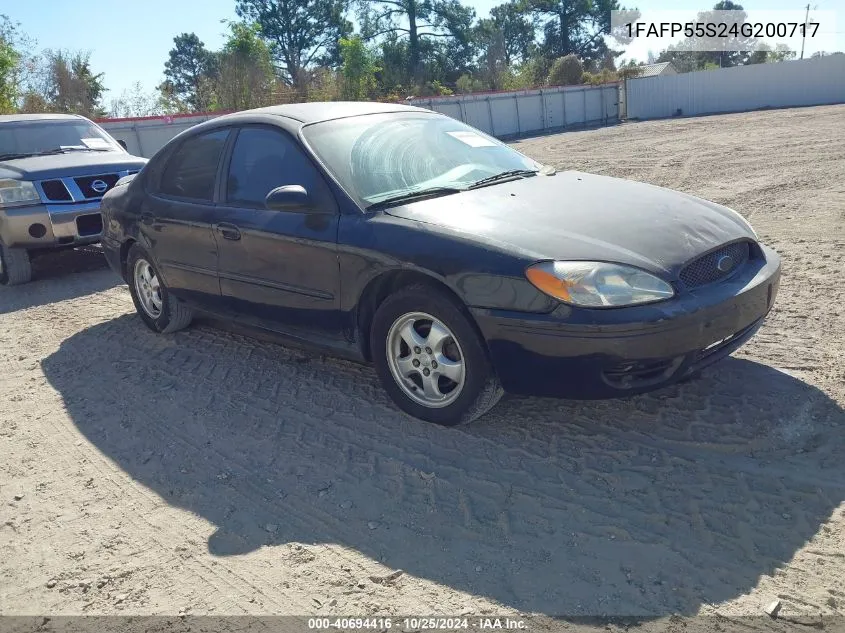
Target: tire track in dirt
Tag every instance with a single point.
(536, 482)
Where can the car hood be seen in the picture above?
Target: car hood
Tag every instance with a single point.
(574, 215)
(70, 164)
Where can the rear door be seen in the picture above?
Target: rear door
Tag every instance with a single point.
(279, 267)
(178, 217)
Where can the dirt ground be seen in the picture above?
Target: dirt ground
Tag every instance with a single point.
(212, 473)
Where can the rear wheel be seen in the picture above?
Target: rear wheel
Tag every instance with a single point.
(158, 309)
(15, 266)
(431, 361)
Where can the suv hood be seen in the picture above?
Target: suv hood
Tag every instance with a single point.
(574, 215)
(70, 164)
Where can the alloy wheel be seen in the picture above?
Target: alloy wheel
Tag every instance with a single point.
(148, 288)
(425, 359)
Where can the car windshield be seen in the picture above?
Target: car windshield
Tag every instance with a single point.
(384, 156)
(28, 138)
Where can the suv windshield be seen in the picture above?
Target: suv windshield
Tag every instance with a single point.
(380, 157)
(28, 138)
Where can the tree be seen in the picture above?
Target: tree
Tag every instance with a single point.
(16, 64)
(62, 81)
(245, 71)
(135, 101)
(781, 53)
(359, 69)
(303, 34)
(719, 52)
(503, 40)
(566, 71)
(518, 31)
(467, 84)
(493, 59)
(766, 55)
(419, 22)
(629, 70)
(574, 26)
(189, 72)
(10, 60)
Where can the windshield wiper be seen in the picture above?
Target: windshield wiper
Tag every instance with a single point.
(14, 156)
(62, 150)
(511, 173)
(413, 195)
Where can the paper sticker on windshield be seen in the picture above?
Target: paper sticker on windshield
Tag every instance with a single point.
(96, 143)
(472, 139)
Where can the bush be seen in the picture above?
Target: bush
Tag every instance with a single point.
(629, 72)
(466, 84)
(566, 71)
(606, 76)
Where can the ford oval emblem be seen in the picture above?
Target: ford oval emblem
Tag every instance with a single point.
(99, 186)
(725, 263)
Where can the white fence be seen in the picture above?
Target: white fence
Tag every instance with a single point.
(145, 136)
(505, 114)
(501, 114)
(817, 81)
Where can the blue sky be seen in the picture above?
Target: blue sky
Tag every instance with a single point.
(129, 41)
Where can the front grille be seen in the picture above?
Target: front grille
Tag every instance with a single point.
(88, 225)
(55, 191)
(705, 270)
(85, 184)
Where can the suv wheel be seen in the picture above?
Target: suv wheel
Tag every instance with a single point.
(430, 359)
(15, 266)
(157, 308)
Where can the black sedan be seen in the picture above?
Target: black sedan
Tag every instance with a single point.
(455, 264)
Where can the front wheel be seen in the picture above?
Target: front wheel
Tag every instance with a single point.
(159, 311)
(431, 361)
(15, 266)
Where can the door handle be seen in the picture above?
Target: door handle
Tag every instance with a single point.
(147, 217)
(228, 231)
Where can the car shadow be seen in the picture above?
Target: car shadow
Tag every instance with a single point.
(650, 506)
(82, 271)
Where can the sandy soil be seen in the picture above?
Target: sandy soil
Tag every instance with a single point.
(209, 472)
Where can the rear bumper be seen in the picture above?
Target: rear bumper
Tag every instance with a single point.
(589, 354)
(44, 226)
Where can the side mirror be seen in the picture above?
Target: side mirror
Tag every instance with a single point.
(289, 198)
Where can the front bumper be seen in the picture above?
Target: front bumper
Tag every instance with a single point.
(111, 249)
(51, 225)
(590, 354)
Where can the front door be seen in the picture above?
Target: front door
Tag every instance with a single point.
(278, 267)
(177, 219)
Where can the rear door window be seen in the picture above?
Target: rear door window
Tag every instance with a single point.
(191, 170)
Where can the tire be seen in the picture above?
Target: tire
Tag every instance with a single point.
(15, 266)
(478, 388)
(172, 315)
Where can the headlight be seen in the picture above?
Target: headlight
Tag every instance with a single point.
(15, 192)
(597, 284)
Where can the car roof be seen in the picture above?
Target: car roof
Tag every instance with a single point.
(317, 111)
(12, 118)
